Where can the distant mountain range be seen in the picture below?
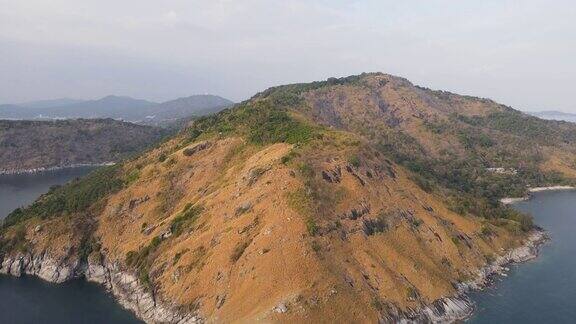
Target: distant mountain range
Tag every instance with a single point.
(116, 107)
(554, 115)
(50, 103)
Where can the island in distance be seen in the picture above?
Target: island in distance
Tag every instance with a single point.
(52, 134)
(29, 146)
(117, 107)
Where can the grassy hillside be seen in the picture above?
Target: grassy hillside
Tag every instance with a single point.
(44, 144)
(355, 199)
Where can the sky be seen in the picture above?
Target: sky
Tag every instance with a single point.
(520, 53)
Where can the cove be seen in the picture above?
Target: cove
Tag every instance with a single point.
(31, 300)
(542, 290)
(17, 190)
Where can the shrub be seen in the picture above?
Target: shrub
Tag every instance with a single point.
(415, 222)
(486, 231)
(377, 304)
(239, 250)
(311, 226)
(422, 182)
(132, 176)
(411, 292)
(525, 221)
(354, 161)
(315, 246)
(189, 214)
(171, 161)
(178, 255)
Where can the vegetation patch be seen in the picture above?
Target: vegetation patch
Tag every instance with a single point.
(261, 122)
(311, 226)
(354, 161)
(487, 231)
(198, 256)
(290, 156)
(239, 250)
(178, 255)
(300, 202)
(17, 242)
(74, 197)
(255, 174)
(133, 176)
(188, 215)
(140, 261)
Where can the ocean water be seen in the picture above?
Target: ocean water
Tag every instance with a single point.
(31, 300)
(542, 290)
(21, 189)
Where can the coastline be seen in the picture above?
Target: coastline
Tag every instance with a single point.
(459, 307)
(133, 296)
(511, 200)
(124, 286)
(54, 168)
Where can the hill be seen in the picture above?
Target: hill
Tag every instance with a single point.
(29, 145)
(359, 199)
(186, 107)
(116, 107)
(50, 103)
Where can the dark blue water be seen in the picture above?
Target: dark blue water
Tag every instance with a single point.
(21, 189)
(30, 300)
(543, 290)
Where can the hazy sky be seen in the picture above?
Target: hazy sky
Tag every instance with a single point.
(521, 53)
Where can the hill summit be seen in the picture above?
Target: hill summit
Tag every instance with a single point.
(363, 198)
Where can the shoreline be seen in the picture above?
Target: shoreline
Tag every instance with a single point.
(124, 286)
(126, 289)
(54, 168)
(459, 307)
(512, 200)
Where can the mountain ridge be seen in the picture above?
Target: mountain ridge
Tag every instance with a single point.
(49, 103)
(117, 107)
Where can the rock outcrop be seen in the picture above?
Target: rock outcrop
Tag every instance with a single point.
(133, 296)
(124, 286)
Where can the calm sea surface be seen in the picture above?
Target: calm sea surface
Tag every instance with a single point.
(22, 189)
(30, 300)
(542, 290)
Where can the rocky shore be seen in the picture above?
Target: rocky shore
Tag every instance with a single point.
(124, 286)
(510, 200)
(127, 289)
(54, 168)
(460, 307)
